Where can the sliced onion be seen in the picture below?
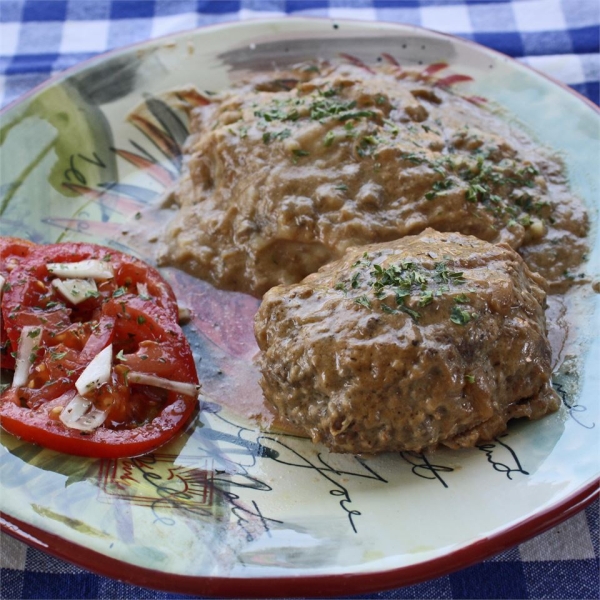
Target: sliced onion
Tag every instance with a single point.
(75, 291)
(142, 289)
(81, 414)
(2, 282)
(187, 389)
(96, 373)
(30, 337)
(93, 268)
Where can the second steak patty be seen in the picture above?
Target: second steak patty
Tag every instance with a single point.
(434, 339)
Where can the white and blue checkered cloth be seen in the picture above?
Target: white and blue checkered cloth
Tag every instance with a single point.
(40, 37)
(558, 37)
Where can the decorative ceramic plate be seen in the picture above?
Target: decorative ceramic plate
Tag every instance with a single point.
(226, 508)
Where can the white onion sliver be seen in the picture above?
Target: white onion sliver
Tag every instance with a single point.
(75, 291)
(93, 268)
(96, 373)
(75, 409)
(80, 414)
(30, 336)
(187, 389)
(2, 282)
(142, 289)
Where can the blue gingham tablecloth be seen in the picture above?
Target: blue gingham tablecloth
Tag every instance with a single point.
(558, 37)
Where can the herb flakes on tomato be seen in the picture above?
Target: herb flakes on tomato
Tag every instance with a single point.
(109, 374)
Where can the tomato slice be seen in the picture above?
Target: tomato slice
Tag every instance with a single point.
(32, 300)
(150, 393)
(12, 252)
(60, 360)
(39, 426)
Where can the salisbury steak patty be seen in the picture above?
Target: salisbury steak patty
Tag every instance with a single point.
(438, 338)
(277, 182)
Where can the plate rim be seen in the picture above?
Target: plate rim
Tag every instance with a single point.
(102, 56)
(318, 585)
(294, 586)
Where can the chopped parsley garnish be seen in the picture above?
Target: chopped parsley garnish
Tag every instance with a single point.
(470, 378)
(394, 129)
(277, 114)
(444, 275)
(426, 297)
(525, 220)
(366, 146)
(363, 301)
(428, 129)
(412, 313)
(121, 291)
(328, 93)
(460, 316)
(439, 186)
(329, 138)
(414, 158)
(300, 152)
(357, 114)
(406, 280)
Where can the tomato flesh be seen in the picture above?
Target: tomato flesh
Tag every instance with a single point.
(136, 312)
(37, 427)
(12, 252)
(31, 295)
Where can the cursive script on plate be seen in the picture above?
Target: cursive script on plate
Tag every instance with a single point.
(502, 458)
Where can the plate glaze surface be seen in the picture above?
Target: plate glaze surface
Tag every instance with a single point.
(227, 508)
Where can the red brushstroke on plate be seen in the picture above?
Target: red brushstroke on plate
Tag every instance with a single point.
(120, 204)
(98, 229)
(164, 142)
(479, 100)
(432, 69)
(452, 80)
(391, 60)
(357, 62)
(155, 170)
(193, 97)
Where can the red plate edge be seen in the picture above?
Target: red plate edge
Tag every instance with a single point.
(301, 586)
(298, 586)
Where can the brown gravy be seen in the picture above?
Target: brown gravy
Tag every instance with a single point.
(279, 181)
(268, 200)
